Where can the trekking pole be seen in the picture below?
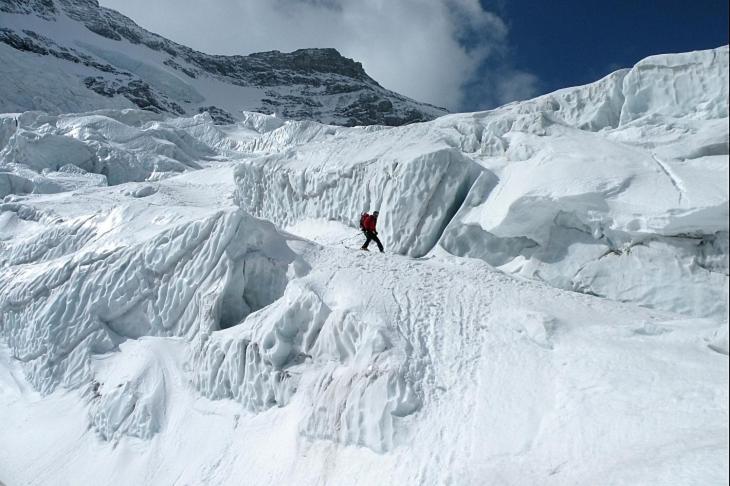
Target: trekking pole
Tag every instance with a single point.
(348, 239)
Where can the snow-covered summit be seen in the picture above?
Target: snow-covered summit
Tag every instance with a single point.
(65, 56)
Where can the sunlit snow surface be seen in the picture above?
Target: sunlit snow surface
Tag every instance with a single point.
(207, 319)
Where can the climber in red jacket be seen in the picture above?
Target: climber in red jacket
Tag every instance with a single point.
(367, 225)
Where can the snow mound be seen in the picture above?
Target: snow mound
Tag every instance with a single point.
(260, 122)
(129, 400)
(46, 154)
(719, 340)
(347, 366)
(82, 286)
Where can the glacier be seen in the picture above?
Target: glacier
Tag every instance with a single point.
(597, 197)
(181, 301)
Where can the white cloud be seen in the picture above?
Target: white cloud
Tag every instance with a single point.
(515, 85)
(426, 49)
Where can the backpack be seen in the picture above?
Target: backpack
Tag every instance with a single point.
(363, 215)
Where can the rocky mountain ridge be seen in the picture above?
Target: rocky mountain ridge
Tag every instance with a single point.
(112, 58)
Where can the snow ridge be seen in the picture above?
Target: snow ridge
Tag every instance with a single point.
(119, 147)
(94, 292)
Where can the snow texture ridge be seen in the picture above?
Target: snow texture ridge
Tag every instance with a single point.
(87, 292)
(357, 382)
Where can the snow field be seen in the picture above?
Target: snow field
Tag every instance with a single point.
(158, 317)
(524, 382)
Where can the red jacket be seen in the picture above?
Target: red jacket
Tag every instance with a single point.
(369, 221)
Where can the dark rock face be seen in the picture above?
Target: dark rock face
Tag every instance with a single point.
(326, 61)
(136, 91)
(32, 42)
(100, 86)
(219, 115)
(43, 8)
(315, 84)
(15, 41)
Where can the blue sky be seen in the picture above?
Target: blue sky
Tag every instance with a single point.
(573, 42)
(464, 55)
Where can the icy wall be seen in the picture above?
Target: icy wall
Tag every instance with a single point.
(618, 188)
(46, 154)
(99, 280)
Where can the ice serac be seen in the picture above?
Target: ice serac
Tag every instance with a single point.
(591, 107)
(41, 153)
(625, 178)
(63, 56)
(350, 366)
(686, 85)
(81, 287)
(417, 189)
(631, 212)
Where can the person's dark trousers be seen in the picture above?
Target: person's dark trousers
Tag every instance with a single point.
(371, 236)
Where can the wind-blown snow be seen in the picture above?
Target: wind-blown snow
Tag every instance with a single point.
(149, 308)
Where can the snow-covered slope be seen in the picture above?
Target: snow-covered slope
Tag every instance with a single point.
(63, 56)
(362, 370)
(580, 188)
(181, 303)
